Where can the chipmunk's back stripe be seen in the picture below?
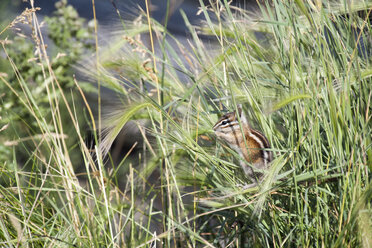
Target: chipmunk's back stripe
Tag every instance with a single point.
(262, 140)
(262, 137)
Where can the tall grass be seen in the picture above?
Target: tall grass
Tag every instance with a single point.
(303, 78)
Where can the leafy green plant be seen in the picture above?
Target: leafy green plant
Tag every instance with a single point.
(25, 66)
(72, 35)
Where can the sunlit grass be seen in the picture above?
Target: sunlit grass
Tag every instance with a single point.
(299, 72)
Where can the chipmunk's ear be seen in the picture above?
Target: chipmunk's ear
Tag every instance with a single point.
(239, 106)
(242, 117)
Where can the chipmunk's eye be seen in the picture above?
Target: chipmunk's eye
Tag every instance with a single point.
(224, 123)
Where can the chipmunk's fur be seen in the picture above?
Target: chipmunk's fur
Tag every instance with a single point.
(251, 145)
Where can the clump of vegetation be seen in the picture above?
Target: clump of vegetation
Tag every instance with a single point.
(28, 67)
(303, 78)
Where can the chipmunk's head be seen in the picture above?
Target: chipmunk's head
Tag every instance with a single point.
(229, 122)
(234, 129)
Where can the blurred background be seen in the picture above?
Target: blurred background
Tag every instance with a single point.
(110, 28)
(106, 12)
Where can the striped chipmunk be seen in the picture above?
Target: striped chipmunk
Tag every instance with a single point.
(250, 144)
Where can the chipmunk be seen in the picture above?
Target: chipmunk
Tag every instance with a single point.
(250, 144)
